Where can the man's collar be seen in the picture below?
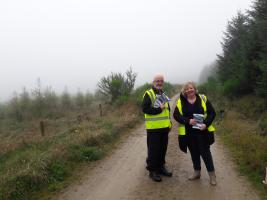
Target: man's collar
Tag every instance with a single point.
(156, 90)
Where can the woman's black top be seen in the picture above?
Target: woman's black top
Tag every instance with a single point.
(188, 111)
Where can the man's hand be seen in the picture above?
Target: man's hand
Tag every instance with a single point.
(162, 106)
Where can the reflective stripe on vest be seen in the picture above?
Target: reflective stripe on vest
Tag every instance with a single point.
(203, 98)
(161, 120)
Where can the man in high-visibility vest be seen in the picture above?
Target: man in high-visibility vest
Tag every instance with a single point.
(156, 108)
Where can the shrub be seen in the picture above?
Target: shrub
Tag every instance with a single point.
(116, 85)
(85, 153)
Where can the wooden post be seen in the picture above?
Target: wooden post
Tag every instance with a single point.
(42, 128)
(79, 119)
(100, 110)
(265, 181)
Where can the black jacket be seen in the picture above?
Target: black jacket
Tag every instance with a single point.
(148, 108)
(188, 110)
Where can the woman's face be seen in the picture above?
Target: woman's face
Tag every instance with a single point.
(190, 91)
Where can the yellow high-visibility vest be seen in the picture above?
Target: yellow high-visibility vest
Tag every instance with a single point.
(203, 98)
(161, 120)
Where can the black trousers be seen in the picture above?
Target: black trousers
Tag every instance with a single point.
(199, 147)
(157, 143)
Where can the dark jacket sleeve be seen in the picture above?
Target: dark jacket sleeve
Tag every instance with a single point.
(180, 118)
(210, 114)
(148, 108)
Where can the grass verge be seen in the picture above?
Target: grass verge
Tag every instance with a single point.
(248, 148)
(47, 163)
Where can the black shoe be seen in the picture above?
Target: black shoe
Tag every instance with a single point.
(163, 171)
(155, 176)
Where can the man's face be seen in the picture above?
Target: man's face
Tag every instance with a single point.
(158, 83)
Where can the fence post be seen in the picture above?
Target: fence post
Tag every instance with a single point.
(265, 181)
(42, 128)
(100, 110)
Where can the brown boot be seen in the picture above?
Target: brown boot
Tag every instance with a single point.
(213, 181)
(195, 175)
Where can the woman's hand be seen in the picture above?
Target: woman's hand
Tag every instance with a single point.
(203, 127)
(192, 122)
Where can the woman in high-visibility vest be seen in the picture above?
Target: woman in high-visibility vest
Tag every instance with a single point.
(195, 115)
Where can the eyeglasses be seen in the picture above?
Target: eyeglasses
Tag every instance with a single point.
(159, 81)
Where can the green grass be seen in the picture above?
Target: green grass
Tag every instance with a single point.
(48, 161)
(85, 153)
(248, 148)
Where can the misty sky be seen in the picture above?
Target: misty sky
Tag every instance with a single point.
(74, 43)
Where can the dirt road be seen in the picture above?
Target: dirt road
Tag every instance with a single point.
(122, 175)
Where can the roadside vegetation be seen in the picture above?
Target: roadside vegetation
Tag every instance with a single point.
(237, 84)
(44, 137)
